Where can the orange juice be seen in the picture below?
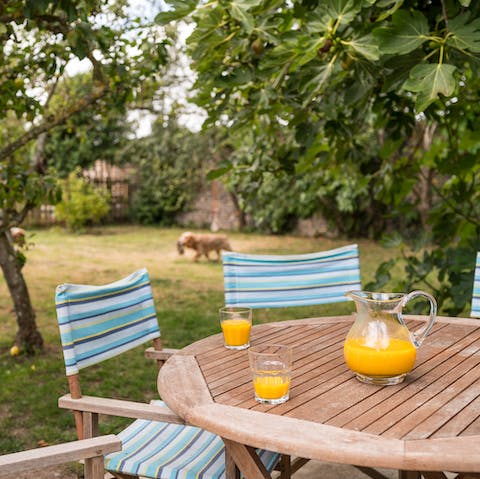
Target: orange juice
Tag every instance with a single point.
(236, 332)
(271, 387)
(397, 358)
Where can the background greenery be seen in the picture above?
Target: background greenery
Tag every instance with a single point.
(187, 297)
(365, 112)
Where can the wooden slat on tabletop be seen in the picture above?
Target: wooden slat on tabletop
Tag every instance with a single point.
(473, 428)
(441, 410)
(234, 360)
(301, 381)
(436, 386)
(325, 377)
(306, 401)
(210, 360)
(308, 370)
(222, 383)
(459, 424)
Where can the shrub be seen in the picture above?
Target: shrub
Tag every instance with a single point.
(82, 203)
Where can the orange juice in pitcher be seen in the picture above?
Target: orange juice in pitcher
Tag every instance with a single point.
(379, 348)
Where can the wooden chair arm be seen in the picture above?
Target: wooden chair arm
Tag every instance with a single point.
(159, 354)
(119, 407)
(17, 462)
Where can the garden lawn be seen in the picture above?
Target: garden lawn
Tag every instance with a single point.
(187, 296)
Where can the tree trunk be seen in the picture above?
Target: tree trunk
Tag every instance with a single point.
(28, 337)
(239, 213)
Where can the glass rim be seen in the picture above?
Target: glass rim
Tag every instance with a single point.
(375, 296)
(236, 309)
(281, 348)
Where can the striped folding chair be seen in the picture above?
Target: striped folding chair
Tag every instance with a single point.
(273, 281)
(99, 322)
(475, 312)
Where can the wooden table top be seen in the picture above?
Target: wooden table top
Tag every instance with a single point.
(429, 422)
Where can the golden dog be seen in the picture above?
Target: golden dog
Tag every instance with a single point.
(203, 244)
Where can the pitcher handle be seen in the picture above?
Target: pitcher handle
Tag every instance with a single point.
(420, 335)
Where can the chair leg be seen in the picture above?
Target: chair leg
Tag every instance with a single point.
(94, 468)
(90, 424)
(231, 469)
(298, 463)
(369, 471)
(90, 429)
(409, 475)
(284, 466)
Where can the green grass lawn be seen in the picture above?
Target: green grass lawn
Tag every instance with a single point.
(187, 296)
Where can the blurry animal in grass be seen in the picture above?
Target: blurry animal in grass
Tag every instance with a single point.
(18, 235)
(203, 244)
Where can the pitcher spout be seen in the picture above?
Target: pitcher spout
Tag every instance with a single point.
(354, 294)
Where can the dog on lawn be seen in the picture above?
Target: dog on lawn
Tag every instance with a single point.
(203, 244)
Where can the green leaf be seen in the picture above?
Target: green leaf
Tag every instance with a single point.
(247, 4)
(466, 36)
(465, 3)
(394, 6)
(214, 174)
(408, 32)
(428, 80)
(343, 11)
(365, 46)
(240, 14)
(318, 81)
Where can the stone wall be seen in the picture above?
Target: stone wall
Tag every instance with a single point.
(213, 209)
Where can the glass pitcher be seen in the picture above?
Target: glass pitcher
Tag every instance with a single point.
(379, 348)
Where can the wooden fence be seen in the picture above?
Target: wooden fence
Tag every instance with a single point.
(117, 181)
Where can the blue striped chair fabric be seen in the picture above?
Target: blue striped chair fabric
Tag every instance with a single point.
(271, 281)
(99, 322)
(475, 312)
(162, 450)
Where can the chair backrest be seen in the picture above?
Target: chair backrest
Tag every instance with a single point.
(271, 281)
(99, 322)
(475, 312)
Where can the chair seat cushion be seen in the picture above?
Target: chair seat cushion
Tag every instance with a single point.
(162, 451)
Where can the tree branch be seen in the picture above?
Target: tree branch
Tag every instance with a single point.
(38, 156)
(52, 121)
(444, 13)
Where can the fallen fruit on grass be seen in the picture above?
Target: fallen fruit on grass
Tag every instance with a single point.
(14, 350)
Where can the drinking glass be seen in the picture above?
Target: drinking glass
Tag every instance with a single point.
(271, 366)
(236, 324)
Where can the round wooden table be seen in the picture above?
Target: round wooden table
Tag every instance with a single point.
(430, 422)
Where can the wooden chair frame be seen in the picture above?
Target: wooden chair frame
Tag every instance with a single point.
(91, 450)
(87, 408)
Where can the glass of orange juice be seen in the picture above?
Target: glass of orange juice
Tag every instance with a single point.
(236, 324)
(271, 366)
